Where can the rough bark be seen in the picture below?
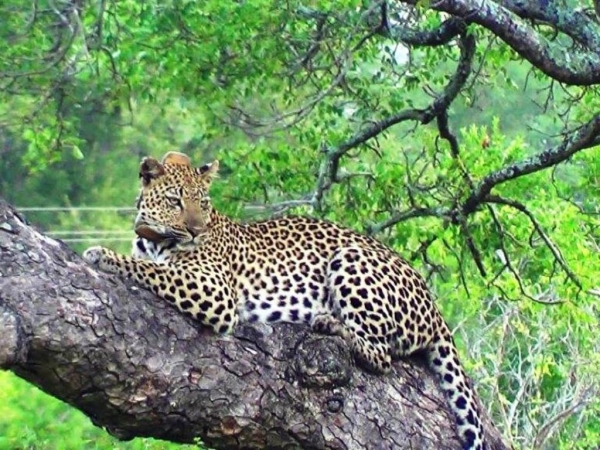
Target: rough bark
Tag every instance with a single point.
(511, 21)
(138, 368)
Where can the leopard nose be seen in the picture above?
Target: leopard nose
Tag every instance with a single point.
(194, 231)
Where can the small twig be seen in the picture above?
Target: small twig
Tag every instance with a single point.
(549, 426)
(539, 230)
(401, 216)
(464, 229)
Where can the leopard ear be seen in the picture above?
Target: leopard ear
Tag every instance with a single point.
(210, 170)
(176, 158)
(150, 169)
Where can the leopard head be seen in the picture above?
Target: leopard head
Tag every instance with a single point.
(173, 203)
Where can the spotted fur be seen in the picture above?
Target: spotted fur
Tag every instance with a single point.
(292, 269)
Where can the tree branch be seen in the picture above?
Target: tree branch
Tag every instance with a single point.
(541, 233)
(576, 68)
(448, 30)
(585, 137)
(329, 166)
(136, 366)
(574, 23)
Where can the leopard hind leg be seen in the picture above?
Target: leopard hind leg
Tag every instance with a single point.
(354, 311)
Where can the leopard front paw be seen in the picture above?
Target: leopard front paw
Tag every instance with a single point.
(95, 255)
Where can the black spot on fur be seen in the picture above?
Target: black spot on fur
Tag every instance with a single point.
(471, 418)
(355, 302)
(444, 351)
(274, 316)
(186, 304)
(469, 437)
(461, 402)
(205, 305)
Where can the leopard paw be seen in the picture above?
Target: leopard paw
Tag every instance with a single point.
(327, 324)
(94, 255)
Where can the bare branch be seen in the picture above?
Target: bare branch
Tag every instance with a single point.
(330, 164)
(580, 26)
(408, 214)
(539, 230)
(448, 30)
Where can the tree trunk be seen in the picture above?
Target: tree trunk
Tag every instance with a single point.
(136, 366)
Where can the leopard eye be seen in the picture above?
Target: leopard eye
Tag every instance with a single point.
(174, 200)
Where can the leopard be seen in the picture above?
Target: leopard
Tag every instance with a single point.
(295, 269)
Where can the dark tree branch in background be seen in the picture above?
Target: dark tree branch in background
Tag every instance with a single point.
(328, 171)
(448, 30)
(540, 232)
(136, 366)
(578, 25)
(584, 137)
(579, 67)
(480, 194)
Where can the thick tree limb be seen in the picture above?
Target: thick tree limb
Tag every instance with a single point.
(580, 26)
(137, 367)
(509, 22)
(573, 60)
(12, 348)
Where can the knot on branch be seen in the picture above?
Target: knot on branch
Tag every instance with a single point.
(316, 360)
(322, 361)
